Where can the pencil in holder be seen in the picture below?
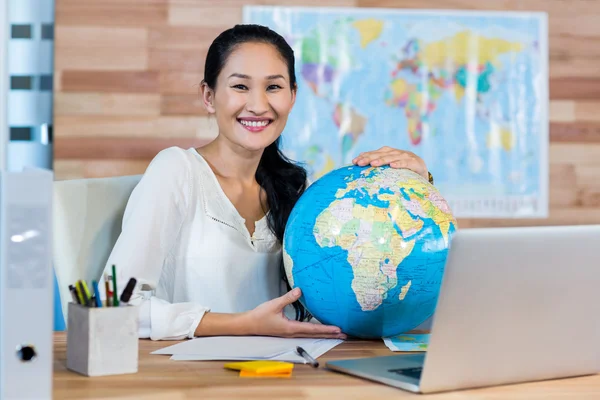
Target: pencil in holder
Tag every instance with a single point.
(102, 341)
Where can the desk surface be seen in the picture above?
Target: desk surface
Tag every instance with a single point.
(159, 378)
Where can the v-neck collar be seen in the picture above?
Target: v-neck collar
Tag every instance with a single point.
(221, 208)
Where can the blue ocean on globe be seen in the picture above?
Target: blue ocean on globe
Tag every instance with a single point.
(368, 248)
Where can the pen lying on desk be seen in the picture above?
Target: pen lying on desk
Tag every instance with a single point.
(302, 353)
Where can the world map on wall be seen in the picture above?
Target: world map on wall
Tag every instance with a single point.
(465, 91)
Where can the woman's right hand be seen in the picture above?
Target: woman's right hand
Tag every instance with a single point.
(268, 319)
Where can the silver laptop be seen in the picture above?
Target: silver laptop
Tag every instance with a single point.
(515, 305)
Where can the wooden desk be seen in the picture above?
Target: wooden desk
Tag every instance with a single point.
(161, 379)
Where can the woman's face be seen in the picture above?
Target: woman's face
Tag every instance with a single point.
(253, 97)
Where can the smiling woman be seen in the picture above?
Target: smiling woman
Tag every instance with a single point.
(253, 93)
(250, 87)
(202, 231)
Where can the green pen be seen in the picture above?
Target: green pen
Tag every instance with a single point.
(115, 292)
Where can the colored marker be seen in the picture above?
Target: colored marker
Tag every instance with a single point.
(128, 291)
(115, 292)
(97, 294)
(74, 294)
(107, 288)
(84, 298)
(86, 290)
(79, 294)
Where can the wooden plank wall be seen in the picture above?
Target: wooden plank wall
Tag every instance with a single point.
(127, 74)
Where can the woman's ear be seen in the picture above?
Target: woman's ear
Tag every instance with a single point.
(208, 97)
(294, 90)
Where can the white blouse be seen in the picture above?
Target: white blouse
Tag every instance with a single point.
(189, 249)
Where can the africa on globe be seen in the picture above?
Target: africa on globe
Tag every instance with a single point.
(368, 247)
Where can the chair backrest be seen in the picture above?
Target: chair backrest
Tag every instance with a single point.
(87, 222)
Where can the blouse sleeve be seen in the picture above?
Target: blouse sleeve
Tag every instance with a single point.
(151, 224)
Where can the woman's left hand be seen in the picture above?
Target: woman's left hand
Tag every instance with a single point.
(395, 158)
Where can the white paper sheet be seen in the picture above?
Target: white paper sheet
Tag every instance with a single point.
(247, 348)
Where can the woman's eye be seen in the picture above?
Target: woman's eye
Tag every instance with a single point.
(274, 87)
(240, 87)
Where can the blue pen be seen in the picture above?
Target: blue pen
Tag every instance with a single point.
(97, 294)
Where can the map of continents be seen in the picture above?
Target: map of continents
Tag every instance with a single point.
(321, 64)
(463, 90)
(381, 229)
(470, 55)
(368, 248)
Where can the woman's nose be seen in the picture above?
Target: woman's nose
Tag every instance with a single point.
(257, 102)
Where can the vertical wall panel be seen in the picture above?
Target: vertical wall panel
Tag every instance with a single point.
(30, 72)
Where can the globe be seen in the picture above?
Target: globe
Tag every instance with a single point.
(368, 248)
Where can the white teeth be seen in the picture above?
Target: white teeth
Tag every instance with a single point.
(254, 123)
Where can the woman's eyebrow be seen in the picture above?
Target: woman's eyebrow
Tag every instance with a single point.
(244, 76)
(238, 75)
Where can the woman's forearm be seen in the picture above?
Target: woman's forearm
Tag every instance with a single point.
(221, 324)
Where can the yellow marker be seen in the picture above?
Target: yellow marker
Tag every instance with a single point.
(79, 295)
(85, 288)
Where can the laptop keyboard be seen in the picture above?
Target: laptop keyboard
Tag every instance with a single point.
(410, 372)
